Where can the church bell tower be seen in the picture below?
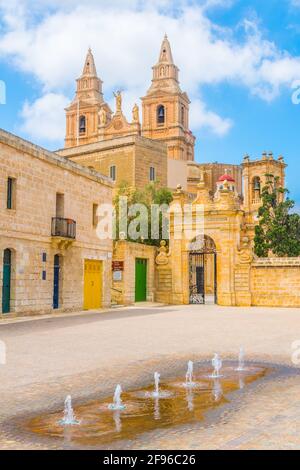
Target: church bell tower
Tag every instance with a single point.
(82, 116)
(166, 108)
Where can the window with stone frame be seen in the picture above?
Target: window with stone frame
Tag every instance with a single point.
(152, 173)
(95, 215)
(113, 172)
(11, 193)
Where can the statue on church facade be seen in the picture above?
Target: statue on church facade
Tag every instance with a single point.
(136, 114)
(103, 117)
(118, 96)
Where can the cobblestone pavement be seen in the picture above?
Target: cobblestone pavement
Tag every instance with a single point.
(87, 354)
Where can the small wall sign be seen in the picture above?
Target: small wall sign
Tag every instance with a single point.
(118, 265)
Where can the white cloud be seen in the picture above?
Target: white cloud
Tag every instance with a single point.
(201, 117)
(44, 119)
(207, 4)
(49, 39)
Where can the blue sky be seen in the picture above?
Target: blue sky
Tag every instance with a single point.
(238, 62)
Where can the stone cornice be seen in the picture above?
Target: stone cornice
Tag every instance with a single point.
(272, 262)
(109, 144)
(52, 158)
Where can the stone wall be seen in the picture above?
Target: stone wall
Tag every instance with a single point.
(26, 229)
(149, 153)
(123, 291)
(275, 282)
(163, 277)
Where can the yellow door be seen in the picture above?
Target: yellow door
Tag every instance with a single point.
(92, 284)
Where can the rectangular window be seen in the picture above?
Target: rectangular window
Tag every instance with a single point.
(11, 193)
(152, 174)
(44, 257)
(95, 215)
(112, 172)
(44, 276)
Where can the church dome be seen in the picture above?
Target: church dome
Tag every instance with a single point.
(226, 177)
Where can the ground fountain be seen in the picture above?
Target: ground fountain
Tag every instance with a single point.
(156, 384)
(157, 393)
(159, 405)
(217, 365)
(241, 366)
(69, 418)
(117, 401)
(189, 375)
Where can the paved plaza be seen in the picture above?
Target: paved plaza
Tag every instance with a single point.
(88, 353)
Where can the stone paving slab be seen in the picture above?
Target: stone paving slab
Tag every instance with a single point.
(86, 355)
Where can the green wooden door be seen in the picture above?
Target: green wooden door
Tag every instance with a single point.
(6, 281)
(140, 280)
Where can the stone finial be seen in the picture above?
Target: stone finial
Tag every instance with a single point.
(271, 157)
(264, 156)
(281, 158)
(246, 158)
(179, 195)
(163, 254)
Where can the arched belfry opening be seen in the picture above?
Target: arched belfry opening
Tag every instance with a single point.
(256, 189)
(160, 114)
(82, 124)
(202, 270)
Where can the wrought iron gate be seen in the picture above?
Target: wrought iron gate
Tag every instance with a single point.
(200, 249)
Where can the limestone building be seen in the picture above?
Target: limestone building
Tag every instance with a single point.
(50, 255)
